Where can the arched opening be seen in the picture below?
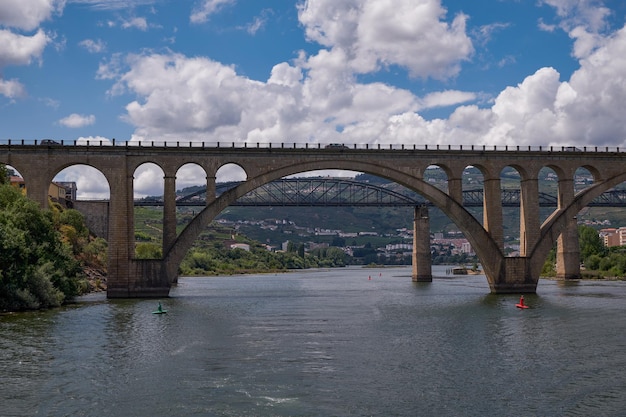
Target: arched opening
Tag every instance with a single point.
(473, 231)
(191, 185)
(80, 202)
(510, 183)
(473, 182)
(230, 173)
(148, 190)
(336, 216)
(548, 192)
(591, 215)
(14, 178)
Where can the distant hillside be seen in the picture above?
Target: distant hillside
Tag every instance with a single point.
(296, 223)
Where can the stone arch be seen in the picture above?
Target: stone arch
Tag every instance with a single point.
(549, 187)
(582, 180)
(485, 247)
(473, 180)
(14, 175)
(432, 173)
(146, 170)
(86, 177)
(231, 171)
(190, 174)
(146, 174)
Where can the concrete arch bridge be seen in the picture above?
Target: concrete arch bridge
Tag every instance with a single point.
(130, 277)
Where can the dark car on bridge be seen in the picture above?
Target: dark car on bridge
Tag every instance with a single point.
(336, 146)
(48, 142)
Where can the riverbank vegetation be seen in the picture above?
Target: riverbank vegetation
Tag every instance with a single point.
(43, 253)
(598, 261)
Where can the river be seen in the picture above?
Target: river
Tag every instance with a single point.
(339, 342)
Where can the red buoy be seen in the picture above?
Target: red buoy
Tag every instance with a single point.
(521, 303)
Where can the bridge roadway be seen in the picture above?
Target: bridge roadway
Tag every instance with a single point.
(130, 277)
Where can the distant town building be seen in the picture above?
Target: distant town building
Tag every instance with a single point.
(59, 192)
(613, 236)
(397, 247)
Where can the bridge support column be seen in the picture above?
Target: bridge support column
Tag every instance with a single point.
(515, 277)
(492, 210)
(529, 215)
(169, 212)
(210, 190)
(422, 271)
(568, 252)
(129, 277)
(568, 247)
(455, 189)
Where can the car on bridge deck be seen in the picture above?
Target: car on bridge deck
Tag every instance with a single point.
(336, 146)
(48, 142)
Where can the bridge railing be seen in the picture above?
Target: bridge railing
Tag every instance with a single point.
(303, 145)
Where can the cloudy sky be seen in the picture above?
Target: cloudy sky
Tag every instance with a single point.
(494, 72)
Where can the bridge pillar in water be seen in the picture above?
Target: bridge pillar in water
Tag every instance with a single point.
(568, 247)
(129, 277)
(515, 277)
(529, 215)
(492, 210)
(422, 271)
(169, 212)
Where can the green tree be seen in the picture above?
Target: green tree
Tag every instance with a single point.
(4, 174)
(590, 242)
(145, 250)
(37, 270)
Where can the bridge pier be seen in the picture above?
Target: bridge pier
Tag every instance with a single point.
(422, 271)
(568, 247)
(146, 280)
(515, 277)
(568, 252)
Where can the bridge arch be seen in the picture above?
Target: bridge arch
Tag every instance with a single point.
(486, 248)
(232, 170)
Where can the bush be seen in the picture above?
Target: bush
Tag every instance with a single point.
(37, 268)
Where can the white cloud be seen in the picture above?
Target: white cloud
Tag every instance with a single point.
(94, 140)
(206, 8)
(447, 98)
(21, 50)
(136, 23)
(12, 89)
(93, 46)
(584, 20)
(374, 34)
(319, 98)
(113, 4)
(27, 14)
(256, 25)
(75, 120)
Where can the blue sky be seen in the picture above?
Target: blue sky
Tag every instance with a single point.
(493, 72)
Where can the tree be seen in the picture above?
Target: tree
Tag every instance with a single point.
(4, 174)
(590, 242)
(37, 270)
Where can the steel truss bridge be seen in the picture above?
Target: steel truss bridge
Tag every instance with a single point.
(333, 192)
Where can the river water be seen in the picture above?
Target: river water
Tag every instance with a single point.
(339, 342)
